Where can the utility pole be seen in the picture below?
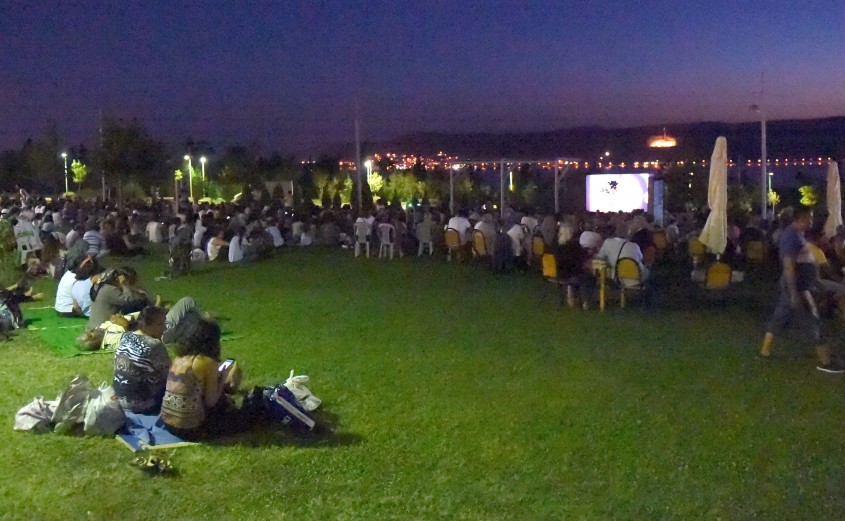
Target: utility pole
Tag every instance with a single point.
(102, 157)
(358, 160)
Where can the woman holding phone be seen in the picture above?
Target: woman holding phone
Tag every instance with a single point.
(194, 400)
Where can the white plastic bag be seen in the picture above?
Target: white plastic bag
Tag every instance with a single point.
(303, 395)
(72, 404)
(36, 415)
(104, 415)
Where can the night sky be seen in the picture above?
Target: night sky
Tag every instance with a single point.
(289, 75)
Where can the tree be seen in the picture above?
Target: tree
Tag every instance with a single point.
(129, 153)
(42, 161)
(326, 200)
(80, 172)
(809, 196)
(12, 170)
(238, 166)
(307, 189)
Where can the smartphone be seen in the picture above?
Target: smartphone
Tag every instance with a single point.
(225, 365)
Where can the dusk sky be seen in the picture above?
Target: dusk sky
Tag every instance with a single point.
(289, 75)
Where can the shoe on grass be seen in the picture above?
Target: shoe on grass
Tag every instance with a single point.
(831, 367)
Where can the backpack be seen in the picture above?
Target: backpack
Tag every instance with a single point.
(11, 316)
(277, 404)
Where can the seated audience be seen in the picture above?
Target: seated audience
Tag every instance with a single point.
(573, 265)
(615, 248)
(216, 244)
(194, 400)
(141, 364)
(117, 291)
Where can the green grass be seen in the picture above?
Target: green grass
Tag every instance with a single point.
(457, 394)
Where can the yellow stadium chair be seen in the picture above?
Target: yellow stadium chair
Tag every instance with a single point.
(548, 263)
(628, 277)
(479, 245)
(538, 246)
(755, 251)
(717, 276)
(453, 243)
(696, 250)
(550, 267)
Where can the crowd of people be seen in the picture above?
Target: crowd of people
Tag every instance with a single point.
(72, 239)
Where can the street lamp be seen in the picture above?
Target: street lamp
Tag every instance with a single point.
(190, 177)
(202, 161)
(452, 171)
(764, 178)
(369, 164)
(64, 156)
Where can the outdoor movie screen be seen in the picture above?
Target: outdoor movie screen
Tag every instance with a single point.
(617, 192)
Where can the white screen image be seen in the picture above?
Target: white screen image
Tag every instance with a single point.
(617, 192)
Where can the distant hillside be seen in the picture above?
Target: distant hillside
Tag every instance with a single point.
(786, 139)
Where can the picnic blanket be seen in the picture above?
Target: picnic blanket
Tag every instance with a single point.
(57, 333)
(147, 431)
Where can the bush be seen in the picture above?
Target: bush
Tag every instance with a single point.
(9, 258)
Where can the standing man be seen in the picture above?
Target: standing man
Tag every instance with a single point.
(795, 300)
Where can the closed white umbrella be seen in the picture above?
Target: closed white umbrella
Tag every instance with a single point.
(834, 200)
(714, 235)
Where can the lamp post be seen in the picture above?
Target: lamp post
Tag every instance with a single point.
(190, 177)
(202, 161)
(764, 178)
(369, 164)
(658, 186)
(64, 156)
(452, 171)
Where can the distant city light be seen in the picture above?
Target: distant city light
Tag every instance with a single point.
(662, 141)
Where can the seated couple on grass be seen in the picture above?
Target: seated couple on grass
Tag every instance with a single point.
(190, 392)
(89, 291)
(107, 335)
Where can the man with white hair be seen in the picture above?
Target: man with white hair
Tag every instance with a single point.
(488, 230)
(590, 240)
(460, 223)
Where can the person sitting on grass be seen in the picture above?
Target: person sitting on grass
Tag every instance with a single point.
(71, 300)
(87, 275)
(141, 364)
(64, 304)
(236, 245)
(195, 402)
(117, 291)
(107, 335)
(217, 244)
(95, 239)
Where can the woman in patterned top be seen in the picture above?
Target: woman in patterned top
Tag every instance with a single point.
(141, 364)
(194, 400)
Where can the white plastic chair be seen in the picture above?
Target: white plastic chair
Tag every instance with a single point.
(423, 231)
(27, 238)
(362, 237)
(387, 240)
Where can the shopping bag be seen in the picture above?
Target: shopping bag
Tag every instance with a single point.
(72, 404)
(103, 415)
(303, 395)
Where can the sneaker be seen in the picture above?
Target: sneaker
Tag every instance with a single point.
(831, 367)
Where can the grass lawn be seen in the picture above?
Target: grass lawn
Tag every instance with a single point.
(457, 394)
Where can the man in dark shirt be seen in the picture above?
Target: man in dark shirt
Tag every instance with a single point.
(795, 300)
